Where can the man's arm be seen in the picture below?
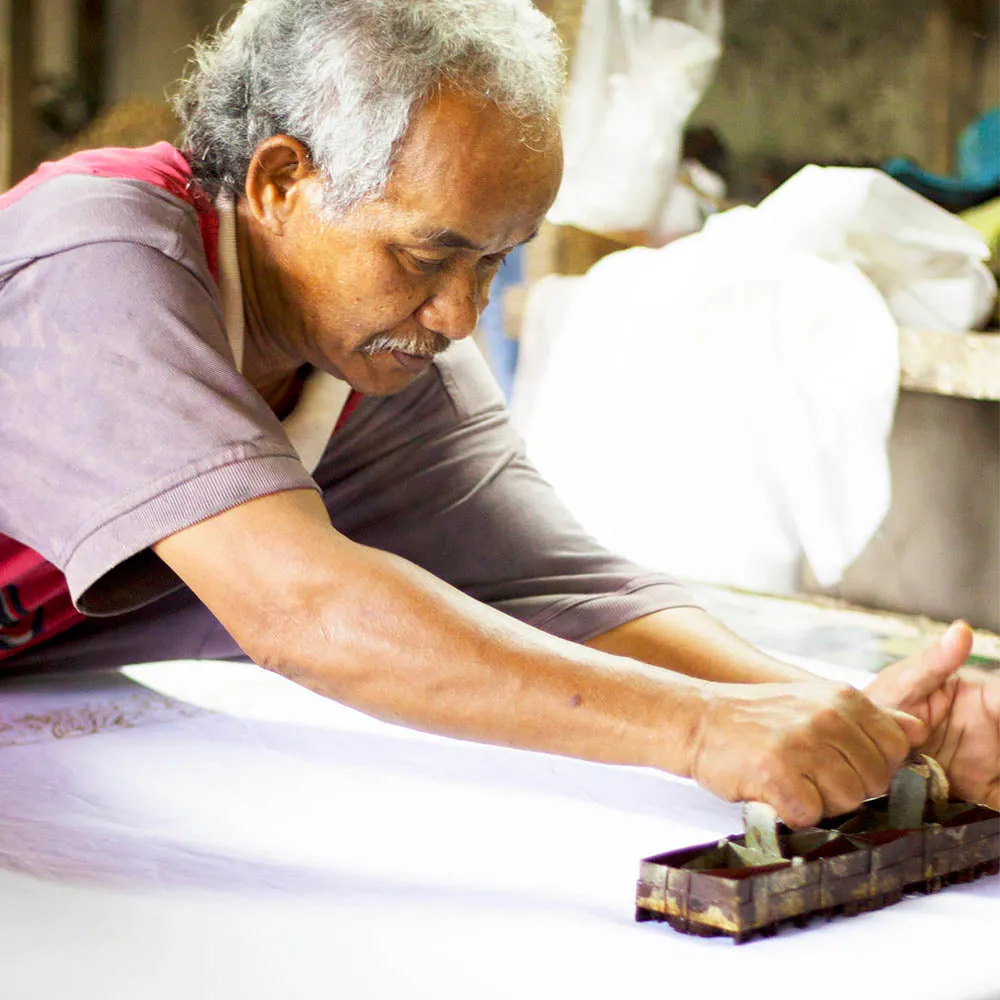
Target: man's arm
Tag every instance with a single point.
(960, 707)
(692, 642)
(374, 631)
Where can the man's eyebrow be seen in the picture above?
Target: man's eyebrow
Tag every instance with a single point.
(447, 238)
(452, 240)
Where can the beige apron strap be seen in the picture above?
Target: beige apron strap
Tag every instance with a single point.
(312, 422)
(230, 290)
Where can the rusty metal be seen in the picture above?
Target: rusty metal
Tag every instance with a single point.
(914, 840)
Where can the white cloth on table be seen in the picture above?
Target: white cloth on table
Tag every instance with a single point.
(282, 845)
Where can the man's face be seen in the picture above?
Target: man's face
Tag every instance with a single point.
(377, 294)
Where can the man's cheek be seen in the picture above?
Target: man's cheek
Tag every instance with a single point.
(393, 303)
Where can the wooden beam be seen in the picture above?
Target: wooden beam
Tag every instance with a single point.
(950, 364)
(955, 46)
(17, 123)
(90, 51)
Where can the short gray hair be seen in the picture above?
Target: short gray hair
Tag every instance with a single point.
(344, 77)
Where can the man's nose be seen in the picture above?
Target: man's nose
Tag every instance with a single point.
(454, 306)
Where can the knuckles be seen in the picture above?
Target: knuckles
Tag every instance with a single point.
(793, 805)
(799, 817)
(825, 711)
(844, 802)
(786, 760)
(842, 701)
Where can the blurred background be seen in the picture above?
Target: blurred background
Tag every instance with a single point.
(846, 80)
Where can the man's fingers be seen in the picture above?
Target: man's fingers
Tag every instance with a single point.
(875, 763)
(914, 728)
(913, 679)
(840, 785)
(806, 749)
(993, 795)
(891, 730)
(799, 805)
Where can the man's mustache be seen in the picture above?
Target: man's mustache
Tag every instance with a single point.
(425, 344)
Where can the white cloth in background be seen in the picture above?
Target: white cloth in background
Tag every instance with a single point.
(926, 262)
(717, 406)
(695, 196)
(639, 68)
(288, 846)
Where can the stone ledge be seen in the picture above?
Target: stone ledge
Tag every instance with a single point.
(950, 364)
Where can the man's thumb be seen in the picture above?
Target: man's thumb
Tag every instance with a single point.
(914, 679)
(914, 728)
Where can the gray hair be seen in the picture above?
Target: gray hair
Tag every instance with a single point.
(344, 77)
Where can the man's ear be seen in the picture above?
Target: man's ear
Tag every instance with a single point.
(276, 181)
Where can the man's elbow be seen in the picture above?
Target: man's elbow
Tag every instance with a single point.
(308, 641)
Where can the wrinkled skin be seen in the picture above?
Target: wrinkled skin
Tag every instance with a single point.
(959, 705)
(410, 270)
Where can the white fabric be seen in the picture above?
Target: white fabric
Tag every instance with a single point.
(695, 196)
(714, 408)
(292, 847)
(926, 262)
(722, 406)
(323, 397)
(639, 68)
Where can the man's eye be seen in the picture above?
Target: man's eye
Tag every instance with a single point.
(427, 264)
(494, 260)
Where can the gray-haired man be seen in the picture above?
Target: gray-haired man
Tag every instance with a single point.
(180, 335)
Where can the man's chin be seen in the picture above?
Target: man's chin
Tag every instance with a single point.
(380, 379)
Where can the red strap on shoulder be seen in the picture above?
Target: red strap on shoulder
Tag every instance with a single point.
(161, 164)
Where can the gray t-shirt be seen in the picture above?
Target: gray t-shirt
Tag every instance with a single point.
(125, 420)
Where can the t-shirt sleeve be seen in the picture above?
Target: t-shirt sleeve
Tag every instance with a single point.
(438, 476)
(124, 417)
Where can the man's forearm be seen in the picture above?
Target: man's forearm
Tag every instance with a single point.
(690, 641)
(378, 633)
(400, 644)
(409, 649)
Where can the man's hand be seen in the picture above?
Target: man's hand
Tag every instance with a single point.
(808, 749)
(960, 707)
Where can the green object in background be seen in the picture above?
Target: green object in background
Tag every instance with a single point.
(985, 219)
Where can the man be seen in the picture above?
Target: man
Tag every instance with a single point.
(356, 172)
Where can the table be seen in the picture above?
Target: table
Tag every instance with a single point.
(211, 830)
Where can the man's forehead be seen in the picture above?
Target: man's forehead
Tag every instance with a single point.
(464, 176)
